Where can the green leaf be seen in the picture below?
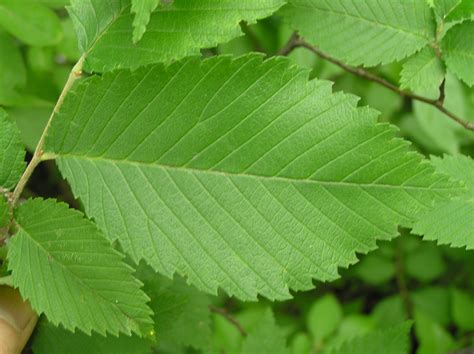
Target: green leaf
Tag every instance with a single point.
(323, 317)
(426, 264)
(301, 343)
(451, 222)
(439, 134)
(434, 302)
(433, 338)
(462, 305)
(52, 339)
(375, 269)
(142, 10)
(261, 180)
(68, 47)
(67, 270)
(458, 51)
(12, 153)
(181, 312)
(443, 8)
(32, 23)
(266, 337)
(388, 312)
(464, 11)
(175, 30)
(13, 70)
(371, 32)
(423, 71)
(31, 121)
(4, 212)
(392, 340)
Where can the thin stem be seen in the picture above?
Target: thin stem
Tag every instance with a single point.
(401, 281)
(39, 151)
(296, 42)
(230, 318)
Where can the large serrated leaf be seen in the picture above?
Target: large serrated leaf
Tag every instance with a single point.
(366, 32)
(67, 270)
(239, 174)
(177, 29)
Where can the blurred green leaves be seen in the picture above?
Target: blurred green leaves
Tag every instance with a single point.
(32, 23)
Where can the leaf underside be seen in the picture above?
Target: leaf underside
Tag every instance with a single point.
(67, 270)
(239, 174)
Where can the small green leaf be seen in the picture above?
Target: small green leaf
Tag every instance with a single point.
(464, 11)
(323, 317)
(443, 8)
(426, 264)
(12, 69)
(66, 269)
(392, 340)
(433, 338)
(266, 337)
(388, 312)
(451, 222)
(433, 301)
(31, 121)
(439, 134)
(368, 33)
(423, 71)
(301, 343)
(458, 51)
(462, 304)
(176, 30)
(375, 269)
(32, 23)
(12, 153)
(142, 10)
(186, 325)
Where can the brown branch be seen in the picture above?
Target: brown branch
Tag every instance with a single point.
(223, 312)
(296, 42)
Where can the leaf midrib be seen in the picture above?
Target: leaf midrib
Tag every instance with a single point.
(248, 175)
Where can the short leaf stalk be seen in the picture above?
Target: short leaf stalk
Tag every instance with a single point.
(75, 74)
